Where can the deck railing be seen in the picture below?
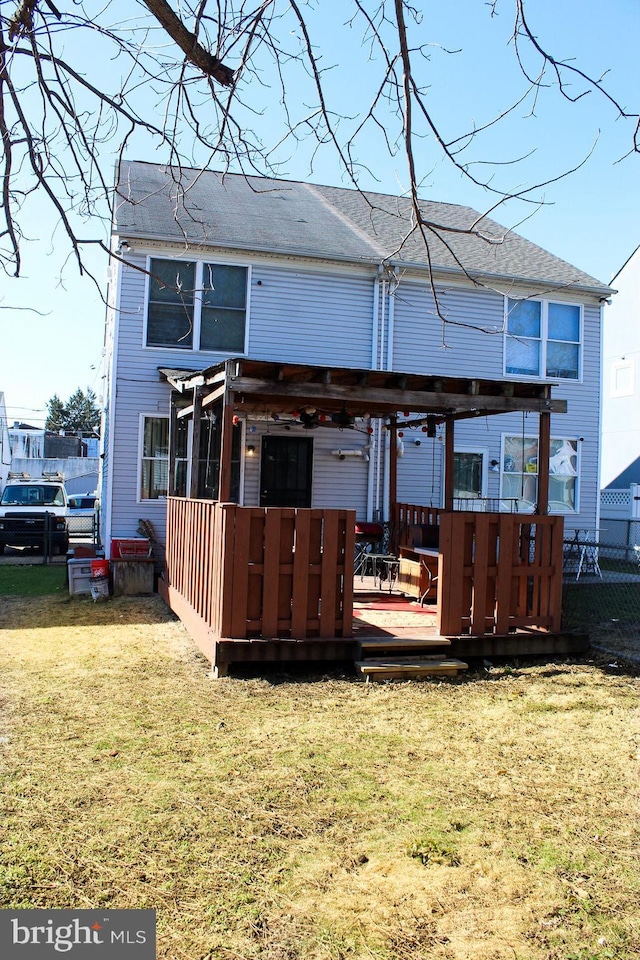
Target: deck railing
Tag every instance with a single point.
(498, 572)
(255, 572)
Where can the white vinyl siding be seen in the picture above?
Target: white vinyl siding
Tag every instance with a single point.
(468, 344)
(309, 317)
(318, 315)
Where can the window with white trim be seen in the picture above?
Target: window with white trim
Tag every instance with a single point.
(154, 468)
(622, 379)
(520, 473)
(543, 339)
(195, 305)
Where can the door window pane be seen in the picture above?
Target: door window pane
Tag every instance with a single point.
(467, 475)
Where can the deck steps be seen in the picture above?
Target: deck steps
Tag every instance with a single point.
(379, 669)
(395, 645)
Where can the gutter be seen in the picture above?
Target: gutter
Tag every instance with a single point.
(438, 271)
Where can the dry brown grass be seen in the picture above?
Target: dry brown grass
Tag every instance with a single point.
(318, 818)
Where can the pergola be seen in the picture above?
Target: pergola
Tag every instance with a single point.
(242, 387)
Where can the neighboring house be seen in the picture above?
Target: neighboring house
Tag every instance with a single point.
(37, 451)
(230, 266)
(5, 449)
(621, 380)
(620, 474)
(26, 442)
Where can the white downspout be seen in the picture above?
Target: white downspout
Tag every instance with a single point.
(109, 414)
(373, 493)
(380, 365)
(375, 322)
(391, 300)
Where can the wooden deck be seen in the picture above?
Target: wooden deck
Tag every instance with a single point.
(398, 633)
(276, 585)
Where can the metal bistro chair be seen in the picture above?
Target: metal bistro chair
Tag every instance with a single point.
(367, 536)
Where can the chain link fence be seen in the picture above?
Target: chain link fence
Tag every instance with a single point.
(601, 595)
(46, 538)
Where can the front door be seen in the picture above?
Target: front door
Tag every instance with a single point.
(286, 471)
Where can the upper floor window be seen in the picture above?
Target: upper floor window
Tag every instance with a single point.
(543, 339)
(194, 305)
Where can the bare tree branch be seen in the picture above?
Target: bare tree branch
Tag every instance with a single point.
(188, 42)
(235, 84)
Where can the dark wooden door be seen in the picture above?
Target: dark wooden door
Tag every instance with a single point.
(286, 472)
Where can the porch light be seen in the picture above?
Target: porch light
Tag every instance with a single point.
(250, 450)
(495, 466)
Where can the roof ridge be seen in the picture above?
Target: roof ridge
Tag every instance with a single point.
(315, 190)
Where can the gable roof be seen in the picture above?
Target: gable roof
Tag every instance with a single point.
(291, 218)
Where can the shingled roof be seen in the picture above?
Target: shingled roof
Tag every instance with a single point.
(335, 223)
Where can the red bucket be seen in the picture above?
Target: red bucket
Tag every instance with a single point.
(99, 568)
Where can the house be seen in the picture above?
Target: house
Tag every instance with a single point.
(37, 451)
(620, 475)
(26, 441)
(221, 266)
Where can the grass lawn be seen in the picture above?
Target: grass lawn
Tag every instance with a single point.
(32, 580)
(273, 819)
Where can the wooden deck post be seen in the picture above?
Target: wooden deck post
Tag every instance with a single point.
(544, 452)
(226, 442)
(195, 443)
(173, 435)
(449, 440)
(393, 464)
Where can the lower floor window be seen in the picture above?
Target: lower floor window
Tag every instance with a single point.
(520, 473)
(155, 458)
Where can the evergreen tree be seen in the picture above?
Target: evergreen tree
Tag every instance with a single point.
(79, 413)
(56, 414)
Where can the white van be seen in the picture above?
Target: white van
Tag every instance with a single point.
(33, 513)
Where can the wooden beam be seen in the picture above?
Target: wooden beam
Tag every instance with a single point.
(195, 443)
(394, 399)
(214, 396)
